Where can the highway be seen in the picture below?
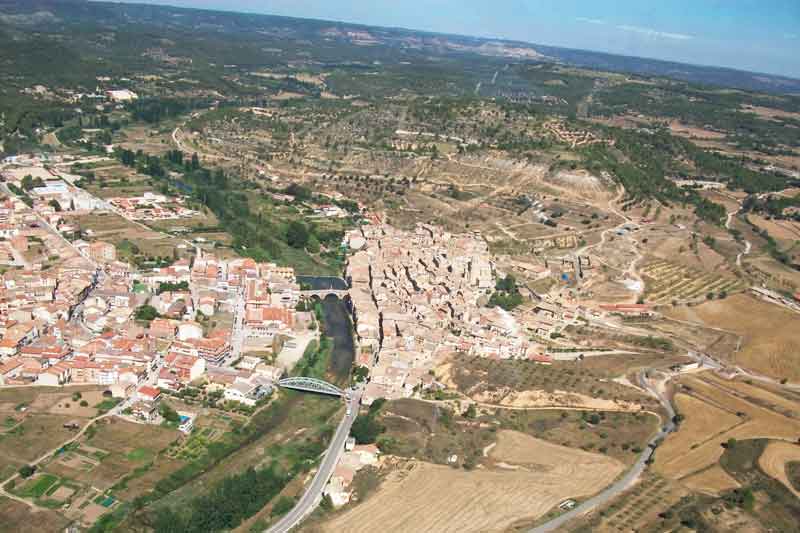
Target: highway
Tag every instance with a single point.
(313, 494)
(628, 479)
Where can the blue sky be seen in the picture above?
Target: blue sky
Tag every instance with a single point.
(762, 36)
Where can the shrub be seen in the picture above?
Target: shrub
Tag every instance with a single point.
(282, 506)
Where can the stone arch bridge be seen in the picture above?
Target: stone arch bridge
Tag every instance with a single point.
(322, 293)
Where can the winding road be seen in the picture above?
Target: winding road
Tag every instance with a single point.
(630, 477)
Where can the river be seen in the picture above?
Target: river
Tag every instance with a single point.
(321, 283)
(339, 327)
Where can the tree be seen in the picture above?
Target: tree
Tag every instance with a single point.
(360, 373)
(27, 471)
(169, 414)
(366, 429)
(471, 411)
(313, 245)
(55, 205)
(507, 284)
(282, 506)
(146, 313)
(326, 504)
(297, 234)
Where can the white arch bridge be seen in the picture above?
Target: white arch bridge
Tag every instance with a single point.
(311, 385)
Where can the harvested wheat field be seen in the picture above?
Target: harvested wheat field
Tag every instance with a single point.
(426, 497)
(712, 481)
(774, 459)
(536, 454)
(680, 454)
(711, 413)
(771, 334)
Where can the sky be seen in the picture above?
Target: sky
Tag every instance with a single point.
(756, 35)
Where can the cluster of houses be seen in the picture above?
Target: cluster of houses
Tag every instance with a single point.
(355, 457)
(76, 324)
(418, 297)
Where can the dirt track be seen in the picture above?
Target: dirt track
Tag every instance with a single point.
(427, 497)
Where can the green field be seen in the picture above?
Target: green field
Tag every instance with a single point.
(37, 486)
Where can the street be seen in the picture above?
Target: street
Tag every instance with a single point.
(313, 494)
(629, 478)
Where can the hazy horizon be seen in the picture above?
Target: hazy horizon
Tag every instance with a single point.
(761, 37)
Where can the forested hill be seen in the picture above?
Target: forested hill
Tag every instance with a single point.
(327, 40)
(705, 75)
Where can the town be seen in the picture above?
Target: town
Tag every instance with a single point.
(265, 274)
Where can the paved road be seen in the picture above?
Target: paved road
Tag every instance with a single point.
(627, 480)
(313, 494)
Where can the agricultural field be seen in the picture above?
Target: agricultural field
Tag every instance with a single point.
(775, 461)
(637, 509)
(33, 421)
(716, 412)
(519, 383)
(135, 243)
(423, 496)
(769, 345)
(143, 137)
(772, 273)
(433, 431)
(90, 476)
(18, 517)
(286, 436)
(667, 282)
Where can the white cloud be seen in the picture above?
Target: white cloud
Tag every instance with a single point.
(655, 33)
(590, 21)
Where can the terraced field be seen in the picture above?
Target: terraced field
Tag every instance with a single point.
(667, 281)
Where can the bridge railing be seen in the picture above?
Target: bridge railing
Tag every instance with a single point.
(311, 385)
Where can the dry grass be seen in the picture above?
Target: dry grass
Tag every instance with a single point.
(786, 232)
(769, 112)
(521, 449)
(426, 497)
(772, 272)
(775, 458)
(771, 338)
(691, 132)
(20, 518)
(667, 281)
(636, 509)
(711, 414)
(712, 481)
(130, 446)
(682, 452)
(34, 437)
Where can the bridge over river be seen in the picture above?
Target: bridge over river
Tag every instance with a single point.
(311, 385)
(322, 286)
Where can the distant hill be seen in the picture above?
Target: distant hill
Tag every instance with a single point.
(358, 43)
(723, 77)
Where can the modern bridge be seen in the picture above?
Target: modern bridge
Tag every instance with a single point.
(311, 385)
